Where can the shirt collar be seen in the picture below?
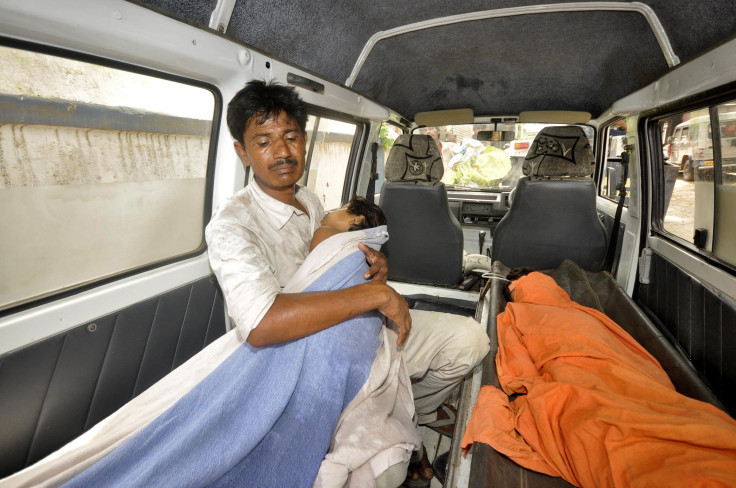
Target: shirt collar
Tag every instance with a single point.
(278, 212)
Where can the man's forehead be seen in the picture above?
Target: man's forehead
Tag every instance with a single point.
(262, 118)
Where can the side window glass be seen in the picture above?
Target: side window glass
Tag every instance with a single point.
(725, 239)
(103, 171)
(689, 192)
(329, 143)
(614, 138)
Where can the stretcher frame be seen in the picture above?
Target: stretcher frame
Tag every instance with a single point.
(483, 467)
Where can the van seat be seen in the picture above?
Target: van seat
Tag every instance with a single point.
(553, 216)
(425, 239)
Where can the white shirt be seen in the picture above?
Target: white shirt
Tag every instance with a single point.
(256, 243)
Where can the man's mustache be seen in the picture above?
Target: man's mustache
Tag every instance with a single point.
(283, 162)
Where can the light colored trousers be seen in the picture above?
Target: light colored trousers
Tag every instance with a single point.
(440, 351)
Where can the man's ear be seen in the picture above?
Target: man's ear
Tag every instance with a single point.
(358, 219)
(241, 153)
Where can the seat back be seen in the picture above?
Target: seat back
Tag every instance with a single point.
(553, 216)
(425, 239)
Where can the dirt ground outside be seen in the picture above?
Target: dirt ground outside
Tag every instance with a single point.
(680, 215)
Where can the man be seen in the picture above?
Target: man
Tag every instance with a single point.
(434, 133)
(260, 236)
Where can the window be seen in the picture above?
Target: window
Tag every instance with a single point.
(486, 156)
(386, 137)
(614, 137)
(329, 144)
(703, 194)
(725, 184)
(103, 171)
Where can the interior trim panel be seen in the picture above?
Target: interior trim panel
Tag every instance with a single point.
(701, 323)
(58, 388)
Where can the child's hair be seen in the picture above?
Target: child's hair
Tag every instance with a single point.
(372, 214)
(514, 275)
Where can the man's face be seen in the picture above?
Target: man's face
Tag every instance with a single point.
(275, 151)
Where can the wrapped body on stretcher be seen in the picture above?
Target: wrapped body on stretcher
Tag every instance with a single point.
(235, 415)
(581, 399)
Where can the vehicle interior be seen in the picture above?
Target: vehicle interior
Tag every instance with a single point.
(114, 152)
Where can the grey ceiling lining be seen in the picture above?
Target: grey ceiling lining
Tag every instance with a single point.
(197, 11)
(504, 66)
(306, 33)
(327, 38)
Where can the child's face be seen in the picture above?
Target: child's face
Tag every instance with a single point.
(341, 219)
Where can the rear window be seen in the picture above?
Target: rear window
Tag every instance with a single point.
(103, 171)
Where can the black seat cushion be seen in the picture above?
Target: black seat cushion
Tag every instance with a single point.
(550, 221)
(553, 216)
(425, 242)
(425, 239)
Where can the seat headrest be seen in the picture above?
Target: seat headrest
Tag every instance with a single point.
(560, 151)
(414, 158)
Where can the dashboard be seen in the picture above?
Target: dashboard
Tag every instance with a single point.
(478, 213)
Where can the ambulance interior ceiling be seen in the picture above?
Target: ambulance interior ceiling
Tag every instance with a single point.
(549, 61)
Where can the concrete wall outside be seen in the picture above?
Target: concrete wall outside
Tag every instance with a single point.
(79, 204)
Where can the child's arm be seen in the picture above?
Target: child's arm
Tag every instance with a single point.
(321, 234)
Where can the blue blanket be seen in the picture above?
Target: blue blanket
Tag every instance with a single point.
(264, 417)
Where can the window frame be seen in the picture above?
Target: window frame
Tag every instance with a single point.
(54, 295)
(357, 146)
(602, 150)
(650, 129)
(382, 172)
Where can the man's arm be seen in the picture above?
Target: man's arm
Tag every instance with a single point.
(296, 315)
(265, 316)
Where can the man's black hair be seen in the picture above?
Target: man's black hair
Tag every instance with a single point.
(259, 101)
(372, 214)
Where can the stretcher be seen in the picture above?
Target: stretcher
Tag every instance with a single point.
(483, 466)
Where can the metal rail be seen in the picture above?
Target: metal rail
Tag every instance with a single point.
(643, 9)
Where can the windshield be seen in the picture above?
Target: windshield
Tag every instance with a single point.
(485, 156)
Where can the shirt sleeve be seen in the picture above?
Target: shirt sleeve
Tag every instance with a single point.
(245, 275)
(314, 205)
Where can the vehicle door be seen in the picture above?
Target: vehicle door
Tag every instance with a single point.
(106, 189)
(616, 137)
(688, 276)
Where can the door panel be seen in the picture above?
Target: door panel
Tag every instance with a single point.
(614, 139)
(701, 321)
(56, 389)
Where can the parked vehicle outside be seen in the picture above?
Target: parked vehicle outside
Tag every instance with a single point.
(691, 145)
(691, 142)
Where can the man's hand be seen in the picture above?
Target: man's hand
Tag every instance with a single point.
(396, 309)
(378, 270)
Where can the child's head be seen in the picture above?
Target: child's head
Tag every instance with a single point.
(357, 214)
(514, 274)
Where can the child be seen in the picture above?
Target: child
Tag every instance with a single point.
(357, 214)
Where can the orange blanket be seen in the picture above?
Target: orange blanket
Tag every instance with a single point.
(594, 407)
